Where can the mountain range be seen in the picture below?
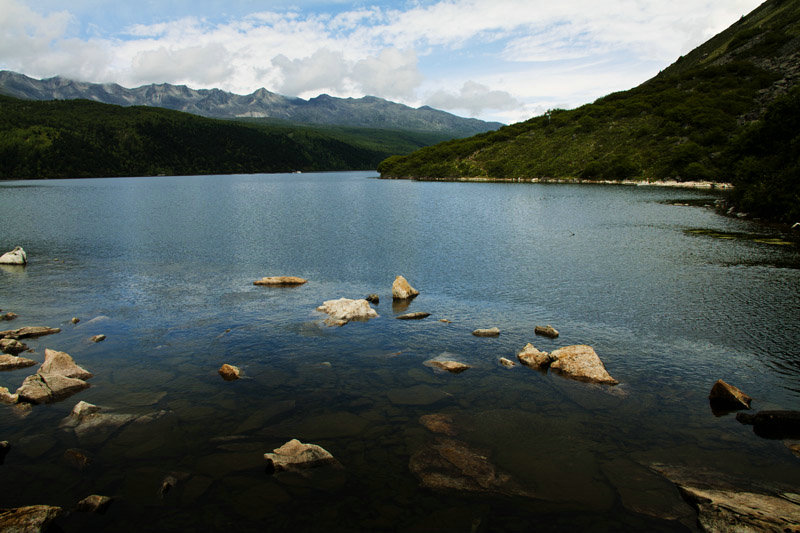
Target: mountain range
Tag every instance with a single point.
(366, 112)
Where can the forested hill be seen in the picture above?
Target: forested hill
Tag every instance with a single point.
(727, 111)
(78, 138)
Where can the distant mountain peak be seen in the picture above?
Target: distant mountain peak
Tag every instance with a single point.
(368, 111)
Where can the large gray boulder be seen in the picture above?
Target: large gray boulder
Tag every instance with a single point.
(17, 256)
(582, 363)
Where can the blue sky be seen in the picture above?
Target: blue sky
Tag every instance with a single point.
(504, 60)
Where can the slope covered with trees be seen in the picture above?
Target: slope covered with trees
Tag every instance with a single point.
(713, 115)
(79, 138)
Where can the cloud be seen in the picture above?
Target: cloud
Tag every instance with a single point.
(206, 64)
(392, 74)
(323, 70)
(475, 98)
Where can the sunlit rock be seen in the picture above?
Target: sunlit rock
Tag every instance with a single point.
(402, 290)
(582, 363)
(62, 363)
(229, 372)
(534, 358)
(17, 256)
(546, 331)
(12, 346)
(413, 316)
(28, 332)
(454, 367)
(295, 455)
(280, 281)
(97, 338)
(508, 363)
(488, 332)
(48, 388)
(11, 362)
(344, 310)
(725, 397)
(94, 503)
(28, 519)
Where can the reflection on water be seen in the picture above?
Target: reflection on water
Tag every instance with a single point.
(168, 263)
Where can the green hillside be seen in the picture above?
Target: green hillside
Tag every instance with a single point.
(79, 138)
(706, 117)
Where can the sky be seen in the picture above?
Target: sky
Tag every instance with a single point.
(502, 60)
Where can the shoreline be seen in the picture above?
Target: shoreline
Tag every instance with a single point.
(709, 185)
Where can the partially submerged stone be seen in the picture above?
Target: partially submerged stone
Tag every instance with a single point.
(402, 290)
(28, 519)
(77, 458)
(725, 510)
(7, 397)
(373, 298)
(12, 346)
(725, 397)
(88, 421)
(11, 362)
(75, 320)
(439, 423)
(61, 363)
(28, 332)
(280, 281)
(773, 424)
(508, 363)
(534, 358)
(229, 372)
(5, 447)
(94, 503)
(582, 363)
(48, 388)
(8, 316)
(413, 316)
(454, 367)
(344, 310)
(295, 455)
(546, 331)
(17, 256)
(97, 338)
(488, 332)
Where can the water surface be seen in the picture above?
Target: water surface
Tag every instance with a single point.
(165, 268)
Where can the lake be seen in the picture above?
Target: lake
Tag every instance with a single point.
(164, 267)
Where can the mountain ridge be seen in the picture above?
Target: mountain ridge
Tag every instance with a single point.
(368, 111)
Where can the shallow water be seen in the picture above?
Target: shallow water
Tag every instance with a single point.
(165, 268)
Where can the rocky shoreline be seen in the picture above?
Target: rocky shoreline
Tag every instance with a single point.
(706, 185)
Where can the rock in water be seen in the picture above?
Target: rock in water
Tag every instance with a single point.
(29, 519)
(725, 397)
(454, 367)
(6, 397)
(48, 388)
(4, 448)
(490, 332)
(401, 290)
(724, 510)
(61, 363)
(8, 316)
(413, 316)
(580, 362)
(17, 256)
(97, 338)
(773, 424)
(229, 372)
(11, 362)
(530, 356)
(373, 299)
(94, 504)
(546, 331)
(508, 363)
(28, 331)
(295, 455)
(12, 346)
(344, 310)
(280, 281)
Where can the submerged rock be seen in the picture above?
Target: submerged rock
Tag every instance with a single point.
(94, 503)
(295, 455)
(546, 331)
(454, 367)
(97, 338)
(402, 290)
(11, 362)
(490, 332)
(79, 459)
(773, 424)
(8, 316)
(534, 358)
(280, 281)
(28, 519)
(28, 332)
(439, 423)
(88, 421)
(344, 310)
(229, 372)
(17, 256)
(725, 397)
(12, 346)
(581, 362)
(413, 316)
(373, 299)
(448, 464)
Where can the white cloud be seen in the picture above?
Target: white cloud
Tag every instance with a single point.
(475, 98)
(392, 74)
(321, 71)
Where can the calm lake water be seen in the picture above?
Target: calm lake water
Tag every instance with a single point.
(164, 268)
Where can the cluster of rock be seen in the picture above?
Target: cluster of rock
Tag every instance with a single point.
(579, 362)
(57, 378)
